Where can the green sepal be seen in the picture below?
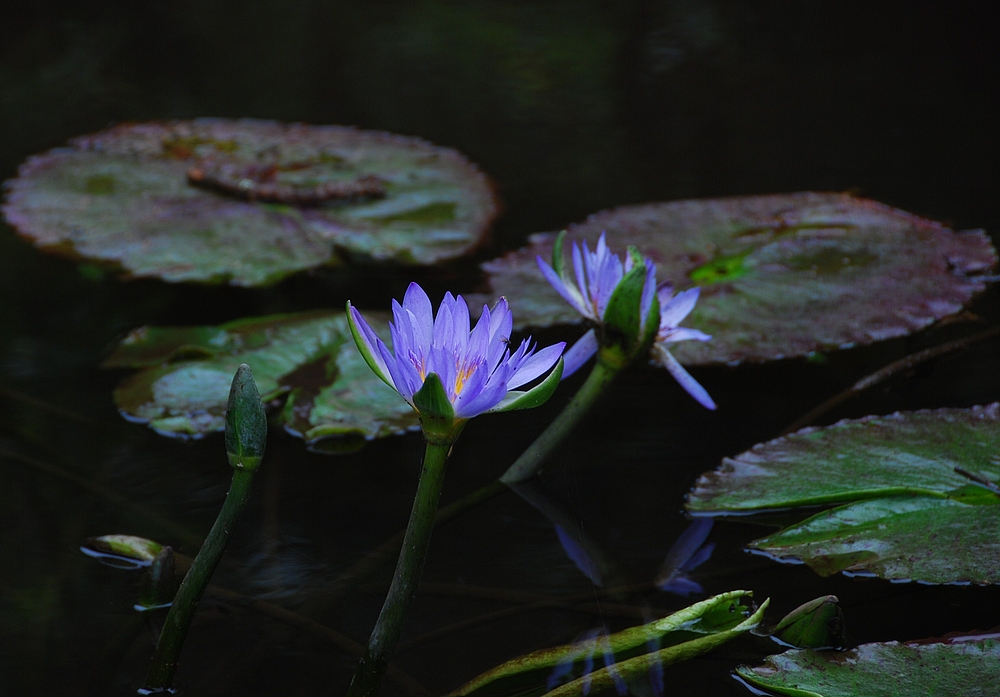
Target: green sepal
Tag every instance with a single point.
(622, 324)
(652, 326)
(437, 415)
(246, 422)
(818, 624)
(557, 254)
(363, 349)
(535, 397)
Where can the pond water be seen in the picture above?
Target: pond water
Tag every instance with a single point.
(570, 108)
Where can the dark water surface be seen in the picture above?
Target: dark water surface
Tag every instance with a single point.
(571, 107)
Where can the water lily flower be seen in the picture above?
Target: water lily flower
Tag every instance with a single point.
(448, 373)
(621, 299)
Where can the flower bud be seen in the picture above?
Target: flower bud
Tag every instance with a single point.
(246, 422)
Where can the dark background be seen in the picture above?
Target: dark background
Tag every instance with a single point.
(571, 107)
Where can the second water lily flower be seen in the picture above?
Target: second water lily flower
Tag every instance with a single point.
(448, 373)
(630, 312)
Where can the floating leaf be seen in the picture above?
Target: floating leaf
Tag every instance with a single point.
(249, 202)
(183, 387)
(908, 513)
(627, 654)
(780, 276)
(970, 668)
(128, 550)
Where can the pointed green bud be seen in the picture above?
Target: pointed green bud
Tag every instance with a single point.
(437, 415)
(246, 422)
(818, 624)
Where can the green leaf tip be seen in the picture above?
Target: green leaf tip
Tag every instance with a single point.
(246, 422)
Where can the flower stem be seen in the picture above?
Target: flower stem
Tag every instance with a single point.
(527, 465)
(416, 540)
(161, 673)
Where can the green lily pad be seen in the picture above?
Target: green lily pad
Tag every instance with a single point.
(969, 668)
(183, 385)
(631, 653)
(907, 513)
(780, 276)
(248, 202)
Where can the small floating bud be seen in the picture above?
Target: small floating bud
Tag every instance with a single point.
(246, 422)
(818, 624)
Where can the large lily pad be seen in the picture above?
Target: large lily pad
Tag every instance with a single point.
(781, 275)
(249, 202)
(918, 491)
(182, 388)
(968, 668)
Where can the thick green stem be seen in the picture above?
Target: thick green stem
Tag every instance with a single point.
(527, 465)
(161, 673)
(417, 539)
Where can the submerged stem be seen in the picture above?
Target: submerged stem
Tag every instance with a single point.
(161, 673)
(416, 540)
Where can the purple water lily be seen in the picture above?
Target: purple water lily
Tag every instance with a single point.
(598, 274)
(476, 368)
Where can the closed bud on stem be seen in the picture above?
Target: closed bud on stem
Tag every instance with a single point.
(246, 422)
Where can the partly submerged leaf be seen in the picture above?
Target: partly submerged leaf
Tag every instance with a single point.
(682, 635)
(782, 275)
(308, 355)
(906, 514)
(876, 456)
(901, 538)
(128, 550)
(249, 202)
(968, 668)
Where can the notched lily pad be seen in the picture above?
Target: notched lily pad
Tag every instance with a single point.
(970, 667)
(308, 357)
(916, 495)
(249, 202)
(780, 276)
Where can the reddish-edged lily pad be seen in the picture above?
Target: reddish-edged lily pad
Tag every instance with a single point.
(967, 666)
(780, 276)
(249, 202)
(308, 358)
(917, 495)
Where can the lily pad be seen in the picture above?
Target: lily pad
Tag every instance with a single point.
(918, 493)
(249, 202)
(568, 670)
(780, 276)
(970, 668)
(183, 385)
